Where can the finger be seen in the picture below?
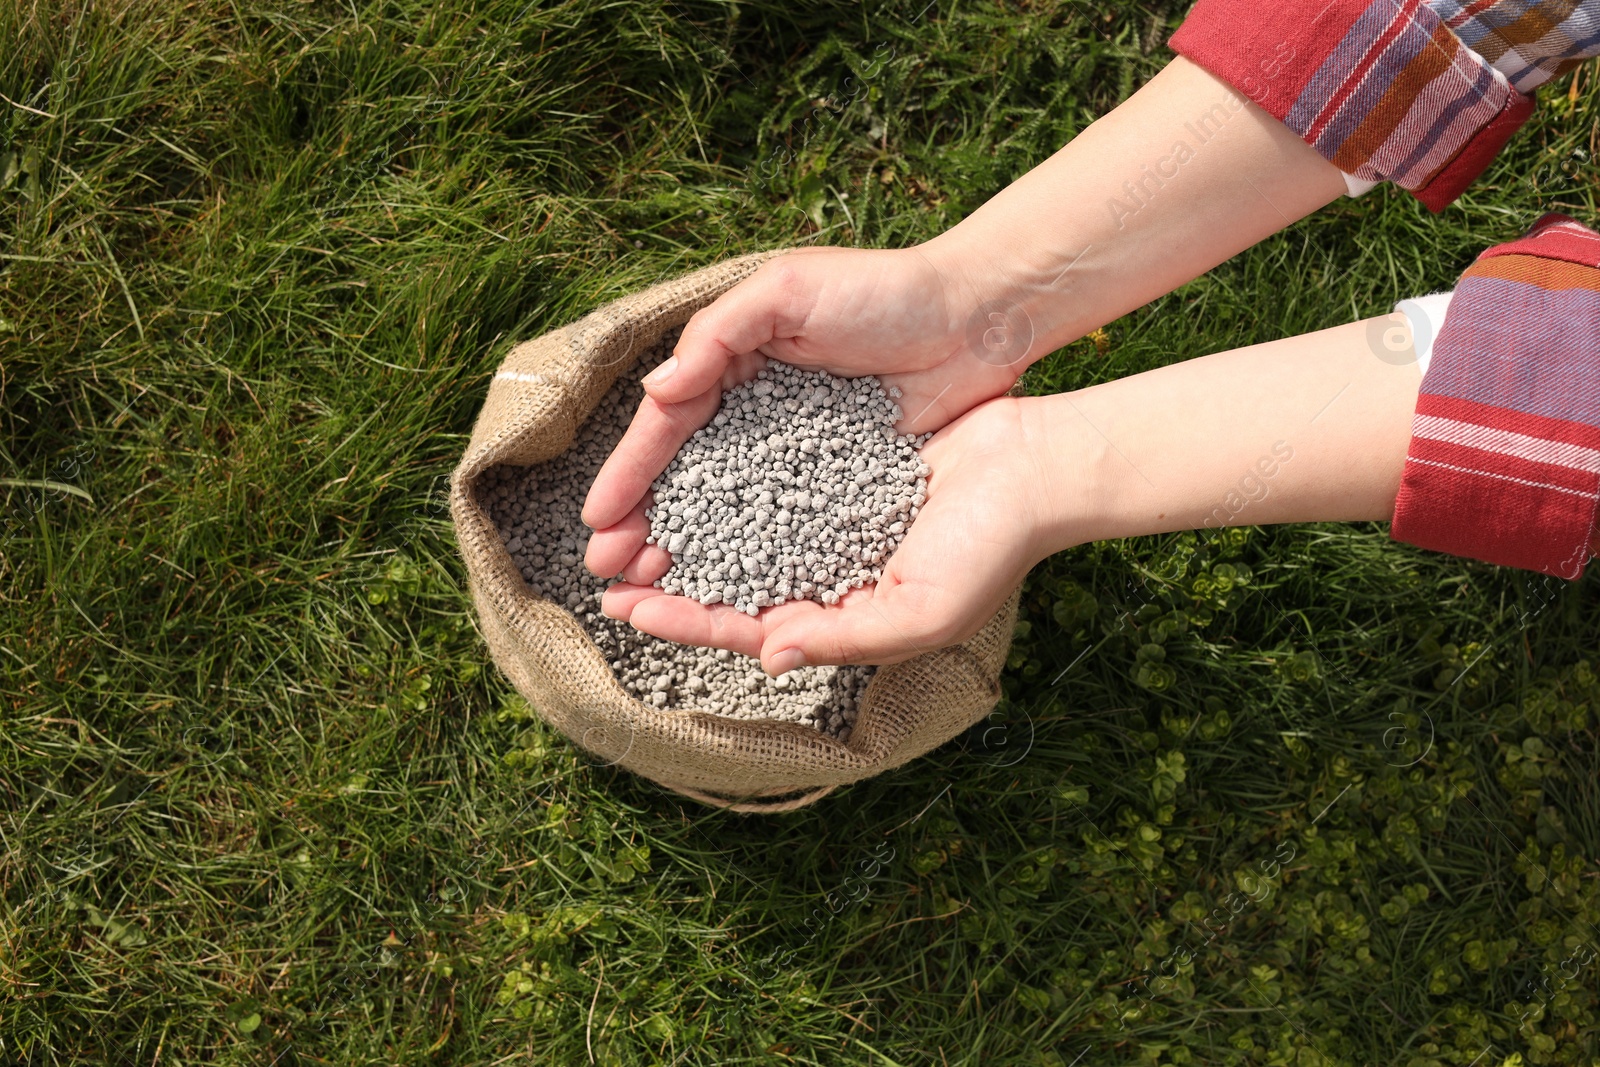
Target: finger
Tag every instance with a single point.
(650, 564)
(772, 303)
(886, 623)
(618, 601)
(612, 548)
(688, 622)
(653, 438)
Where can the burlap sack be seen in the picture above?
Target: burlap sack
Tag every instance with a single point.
(540, 396)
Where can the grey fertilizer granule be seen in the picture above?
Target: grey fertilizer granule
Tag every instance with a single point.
(800, 488)
(537, 512)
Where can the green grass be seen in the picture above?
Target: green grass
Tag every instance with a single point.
(266, 801)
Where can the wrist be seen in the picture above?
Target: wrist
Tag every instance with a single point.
(1076, 473)
(1003, 307)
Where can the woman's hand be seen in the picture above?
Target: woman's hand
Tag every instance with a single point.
(989, 518)
(903, 315)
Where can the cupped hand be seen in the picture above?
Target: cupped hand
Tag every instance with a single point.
(988, 520)
(909, 318)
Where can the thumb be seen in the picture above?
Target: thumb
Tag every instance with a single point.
(772, 303)
(871, 625)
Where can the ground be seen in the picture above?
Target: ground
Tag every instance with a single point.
(1296, 795)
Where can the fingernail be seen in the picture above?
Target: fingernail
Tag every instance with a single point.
(786, 661)
(663, 372)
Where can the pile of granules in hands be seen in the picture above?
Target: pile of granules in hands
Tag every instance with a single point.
(799, 488)
(537, 513)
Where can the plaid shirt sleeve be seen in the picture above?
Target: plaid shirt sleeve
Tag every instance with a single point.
(1391, 90)
(1504, 462)
(1529, 41)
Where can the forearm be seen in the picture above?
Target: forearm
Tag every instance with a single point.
(1307, 428)
(1177, 179)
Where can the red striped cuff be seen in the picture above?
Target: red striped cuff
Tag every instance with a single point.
(1504, 463)
(1381, 88)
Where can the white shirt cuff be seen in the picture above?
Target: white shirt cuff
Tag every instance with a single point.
(1425, 315)
(1354, 186)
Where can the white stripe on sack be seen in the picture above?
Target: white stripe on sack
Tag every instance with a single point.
(521, 376)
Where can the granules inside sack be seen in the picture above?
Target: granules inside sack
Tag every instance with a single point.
(537, 511)
(800, 488)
